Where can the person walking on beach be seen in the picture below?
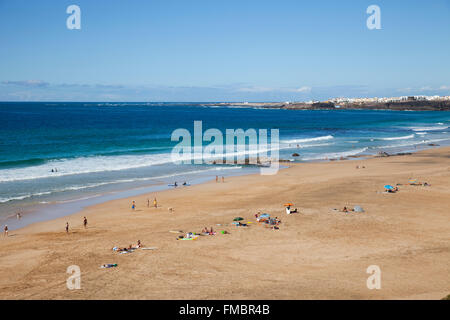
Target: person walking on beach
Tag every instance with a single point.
(217, 178)
(133, 205)
(5, 231)
(223, 179)
(148, 203)
(155, 203)
(85, 222)
(67, 227)
(18, 216)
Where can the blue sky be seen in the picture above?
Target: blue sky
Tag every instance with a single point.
(206, 50)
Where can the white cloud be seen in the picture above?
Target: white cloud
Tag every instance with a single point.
(27, 83)
(304, 89)
(256, 89)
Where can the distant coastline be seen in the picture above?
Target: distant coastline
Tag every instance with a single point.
(413, 105)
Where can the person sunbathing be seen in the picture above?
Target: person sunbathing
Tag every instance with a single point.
(393, 190)
(345, 209)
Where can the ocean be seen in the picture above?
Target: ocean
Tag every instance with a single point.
(100, 150)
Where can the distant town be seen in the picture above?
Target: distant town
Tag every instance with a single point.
(389, 99)
(414, 103)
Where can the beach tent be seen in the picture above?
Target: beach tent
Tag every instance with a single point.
(238, 219)
(358, 209)
(389, 187)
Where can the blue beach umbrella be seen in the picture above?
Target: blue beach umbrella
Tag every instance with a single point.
(265, 215)
(389, 187)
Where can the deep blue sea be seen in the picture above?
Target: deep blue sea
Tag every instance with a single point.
(101, 148)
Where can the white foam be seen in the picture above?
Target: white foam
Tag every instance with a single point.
(412, 143)
(429, 128)
(302, 146)
(82, 165)
(94, 185)
(308, 139)
(399, 138)
(336, 155)
(85, 165)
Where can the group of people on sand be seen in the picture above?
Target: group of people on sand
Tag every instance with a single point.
(411, 183)
(85, 224)
(272, 222)
(217, 179)
(155, 204)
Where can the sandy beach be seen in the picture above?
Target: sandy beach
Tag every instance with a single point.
(318, 253)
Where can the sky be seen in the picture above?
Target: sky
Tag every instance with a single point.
(234, 50)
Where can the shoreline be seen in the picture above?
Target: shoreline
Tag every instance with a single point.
(102, 198)
(409, 105)
(74, 206)
(39, 213)
(317, 254)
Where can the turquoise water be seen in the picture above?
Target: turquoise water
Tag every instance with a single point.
(98, 148)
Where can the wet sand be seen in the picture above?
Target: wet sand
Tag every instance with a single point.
(319, 253)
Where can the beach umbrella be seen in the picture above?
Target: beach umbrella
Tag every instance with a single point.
(288, 204)
(265, 215)
(388, 187)
(358, 209)
(412, 181)
(238, 219)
